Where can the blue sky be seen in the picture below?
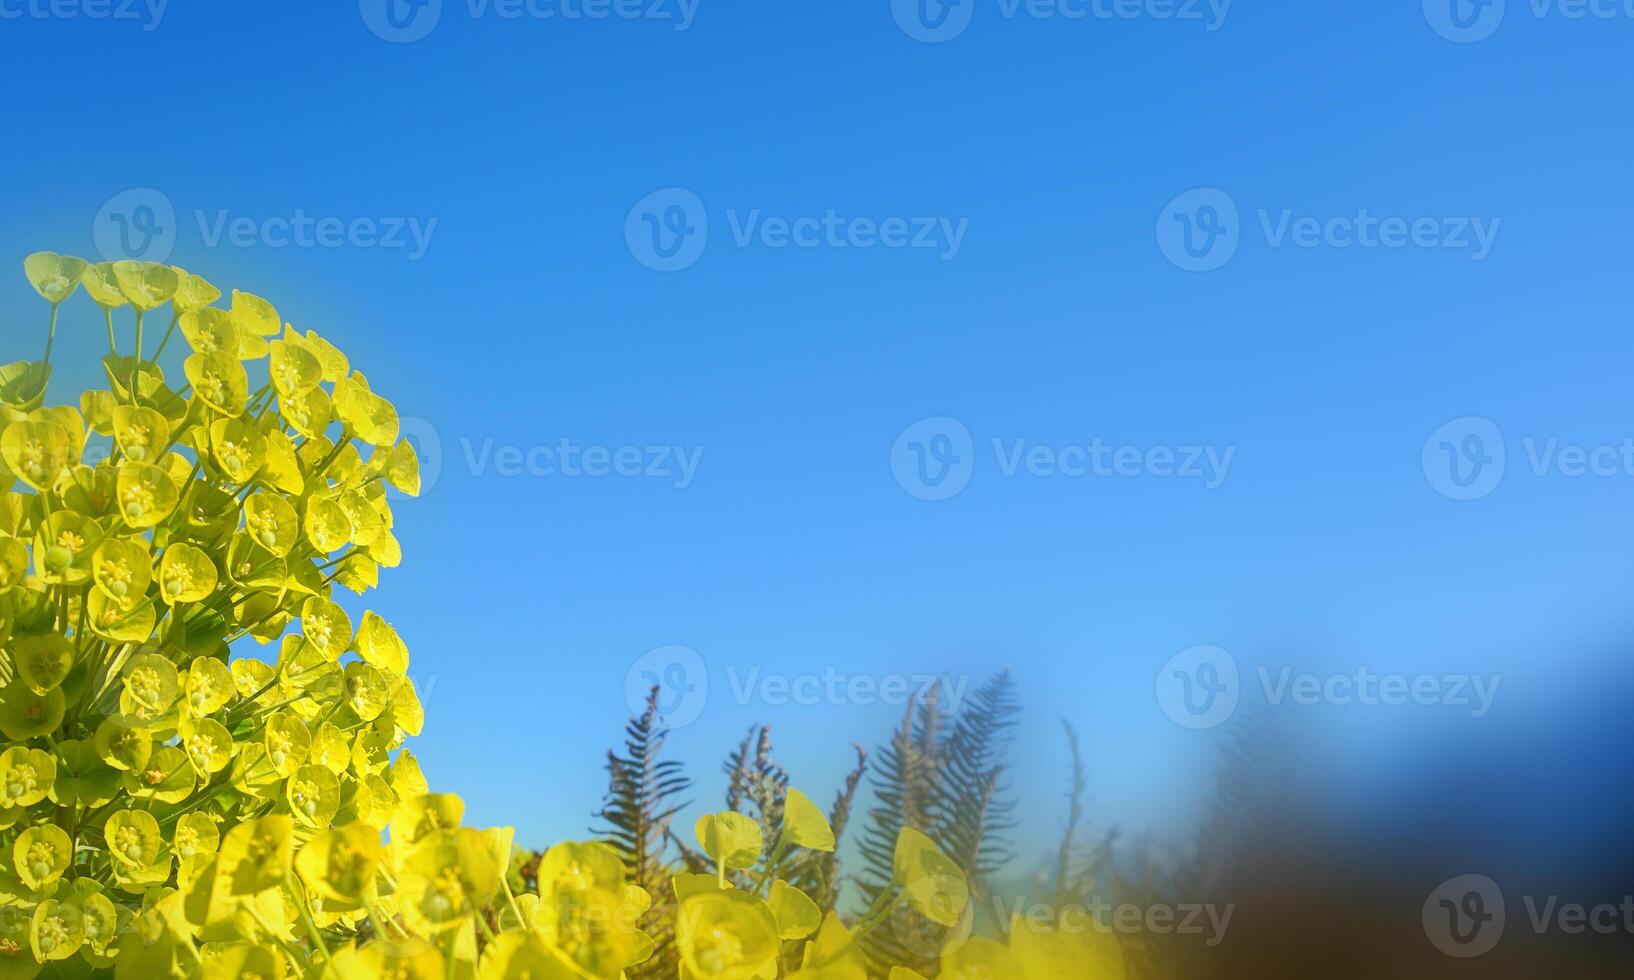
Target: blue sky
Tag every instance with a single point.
(991, 231)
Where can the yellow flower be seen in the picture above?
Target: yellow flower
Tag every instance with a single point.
(524, 956)
(447, 877)
(272, 522)
(195, 834)
(152, 687)
(254, 315)
(41, 854)
(122, 568)
(256, 855)
(341, 864)
(295, 370)
(141, 432)
(147, 285)
(726, 935)
(192, 292)
(380, 646)
(219, 381)
(120, 744)
(314, 795)
(208, 743)
(36, 451)
(133, 838)
(210, 331)
(326, 626)
(935, 886)
(981, 959)
(43, 661)
(421, 816)
(147, 495)
(238, 449)
(53, 276)
(731, 839)
(57, 930)
(103, 285)
(208, 687)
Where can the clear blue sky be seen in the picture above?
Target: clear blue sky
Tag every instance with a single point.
(1054, 146)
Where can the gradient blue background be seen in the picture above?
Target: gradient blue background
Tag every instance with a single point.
(525, 600)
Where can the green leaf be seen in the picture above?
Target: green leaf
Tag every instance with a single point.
(797, 915)
(731, 839)
(804, 825)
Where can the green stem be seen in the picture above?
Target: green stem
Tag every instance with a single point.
(166, 339)
(51, 333)
(306, 916)
(136, 364)
(107, 314)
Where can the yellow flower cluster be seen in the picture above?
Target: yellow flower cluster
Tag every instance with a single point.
(173, 808)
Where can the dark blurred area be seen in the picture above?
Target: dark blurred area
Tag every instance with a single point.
(1492, 851)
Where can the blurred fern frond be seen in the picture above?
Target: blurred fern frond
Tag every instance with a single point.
(949, 784)
(641, 801)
